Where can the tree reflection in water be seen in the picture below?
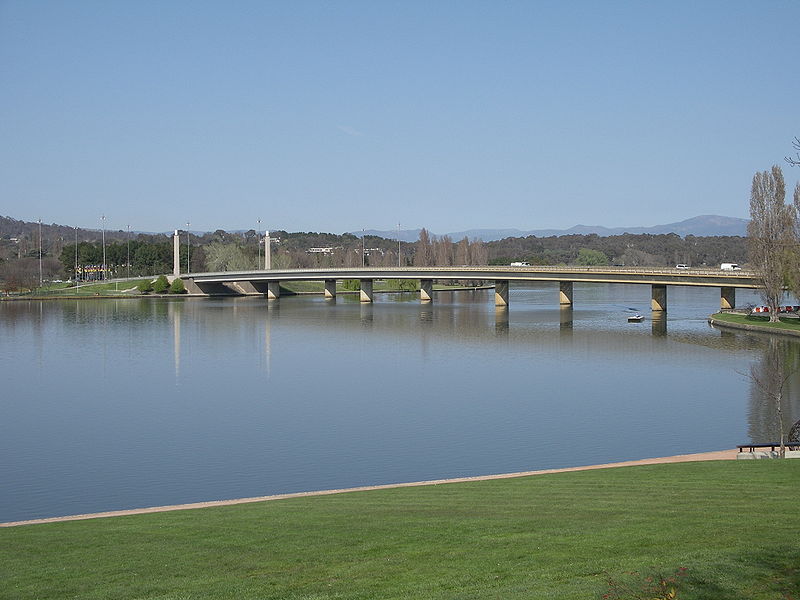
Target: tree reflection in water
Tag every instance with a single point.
(774, 383)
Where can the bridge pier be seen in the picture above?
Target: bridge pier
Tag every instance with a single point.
(426, 290)
(501, 292)
(273, 290)
(330, 288)
(565, 293)
(658, 302)
(366, 290)
(727, 299)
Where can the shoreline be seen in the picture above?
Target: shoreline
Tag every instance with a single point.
(231, 295)
(701, 456)
(751, 327)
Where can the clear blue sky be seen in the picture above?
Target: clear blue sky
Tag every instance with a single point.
(335, 116)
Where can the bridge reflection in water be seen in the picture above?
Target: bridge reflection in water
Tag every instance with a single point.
(267, 282)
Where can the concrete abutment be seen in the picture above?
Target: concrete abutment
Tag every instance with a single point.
(727, 299)
(330, 288)
(426, 290)
(658, 302)
(501, 292)
(565, 293)
(366, 290)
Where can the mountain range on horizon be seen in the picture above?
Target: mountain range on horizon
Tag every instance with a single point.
(702, 226)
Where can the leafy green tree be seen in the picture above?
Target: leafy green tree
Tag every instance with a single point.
(161, 285)
(145, 286)
(406, 285)
(588, 257)
(351, 285)
(177, 286)
(227, 257)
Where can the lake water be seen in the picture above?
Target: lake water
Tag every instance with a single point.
(114, 404)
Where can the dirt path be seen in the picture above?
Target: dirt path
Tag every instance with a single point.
(718, 455)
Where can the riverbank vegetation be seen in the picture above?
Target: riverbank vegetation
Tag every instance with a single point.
(758, 320)
(720, 530)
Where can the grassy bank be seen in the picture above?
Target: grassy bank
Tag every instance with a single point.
(760, 320)
(732, 525)
(85, 289)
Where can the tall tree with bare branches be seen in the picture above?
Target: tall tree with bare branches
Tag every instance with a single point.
(795, 162)
(771, 236)
(423, 254)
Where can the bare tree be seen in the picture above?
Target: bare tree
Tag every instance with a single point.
(423, 256)
(462, 252)
(479, 254)
(443, 251)
(795, 162)
(771, 236)
(793, 278)
(20, 274)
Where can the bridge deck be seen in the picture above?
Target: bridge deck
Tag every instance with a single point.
(662, 276)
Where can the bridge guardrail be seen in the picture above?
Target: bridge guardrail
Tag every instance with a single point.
(506, 269)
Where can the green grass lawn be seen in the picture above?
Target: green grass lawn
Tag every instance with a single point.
(786, 323)
(733, 526)
(90, 289)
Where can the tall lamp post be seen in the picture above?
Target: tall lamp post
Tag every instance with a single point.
(258, 242)
(363, 260)
(40, 253)
(188, 270)
(129, 251)
(75, 274)
(103, 219)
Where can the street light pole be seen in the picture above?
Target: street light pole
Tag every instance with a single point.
(75, 274)
(258, 243)
(40, 253)
(129, 251)
(103, 218)
(363, 261)
(188, 270)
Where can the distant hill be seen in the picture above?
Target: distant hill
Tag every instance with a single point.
(701, 226)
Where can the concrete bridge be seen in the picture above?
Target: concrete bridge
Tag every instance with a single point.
(267, 282)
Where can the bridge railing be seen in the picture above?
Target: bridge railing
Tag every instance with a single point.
(466, 269)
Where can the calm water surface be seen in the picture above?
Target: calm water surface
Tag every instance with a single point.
(113, 404)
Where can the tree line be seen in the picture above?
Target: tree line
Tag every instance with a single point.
(151, 254)
(633, 250)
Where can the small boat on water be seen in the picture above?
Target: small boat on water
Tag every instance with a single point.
(635, 318)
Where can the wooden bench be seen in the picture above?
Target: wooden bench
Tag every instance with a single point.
(772, 447)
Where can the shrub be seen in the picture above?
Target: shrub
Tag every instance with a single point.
(408, 285)
(161, 285)
(351, 285)
(177, 286)
(145, 286)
